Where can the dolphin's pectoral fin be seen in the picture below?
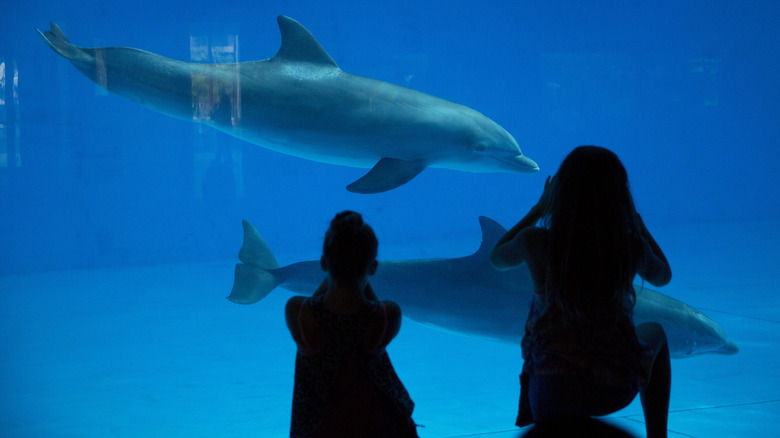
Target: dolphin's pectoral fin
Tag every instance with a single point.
(387, 174)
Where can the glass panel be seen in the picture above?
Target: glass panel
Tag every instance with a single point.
(135, 137)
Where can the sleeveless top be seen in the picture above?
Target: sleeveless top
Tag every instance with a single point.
(334, 385)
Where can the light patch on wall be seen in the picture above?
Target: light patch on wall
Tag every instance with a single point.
(708, 71)
(10, 153)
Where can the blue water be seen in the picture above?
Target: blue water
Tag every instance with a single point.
(118, 234)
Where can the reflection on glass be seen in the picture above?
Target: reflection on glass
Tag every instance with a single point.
(709, 69)
(217, 167)
(9, 116)
(221, 54)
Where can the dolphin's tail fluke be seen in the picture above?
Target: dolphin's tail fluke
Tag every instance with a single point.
(254, 278)
(55, 38)
(254, 250)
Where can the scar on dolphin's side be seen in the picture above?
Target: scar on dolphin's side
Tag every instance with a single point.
(299, 102)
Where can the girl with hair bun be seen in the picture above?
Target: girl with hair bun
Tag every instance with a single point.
(345, 384)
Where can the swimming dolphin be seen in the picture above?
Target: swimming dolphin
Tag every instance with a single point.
(466, 294)
(301, 103)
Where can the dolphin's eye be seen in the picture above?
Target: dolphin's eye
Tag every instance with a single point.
(479, 147)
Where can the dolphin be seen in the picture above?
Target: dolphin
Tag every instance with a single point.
(467, 295)
(301, 103)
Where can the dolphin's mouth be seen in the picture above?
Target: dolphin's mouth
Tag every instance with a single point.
(521, 163)
(727, 348)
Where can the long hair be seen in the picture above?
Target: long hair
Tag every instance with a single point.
(350, 246)
(593, 244)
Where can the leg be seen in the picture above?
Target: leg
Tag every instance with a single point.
(556, 398)
(655, 395)
(524, 414)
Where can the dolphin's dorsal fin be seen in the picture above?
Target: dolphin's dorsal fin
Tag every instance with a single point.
(298, 44)
(491, 232)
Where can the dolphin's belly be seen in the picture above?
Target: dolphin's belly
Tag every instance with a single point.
(323, 147)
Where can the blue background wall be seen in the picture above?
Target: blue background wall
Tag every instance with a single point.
(685, 92)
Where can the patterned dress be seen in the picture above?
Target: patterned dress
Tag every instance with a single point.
(344, 390)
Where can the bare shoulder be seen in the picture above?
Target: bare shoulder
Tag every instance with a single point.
(293, 305)
(393, 310)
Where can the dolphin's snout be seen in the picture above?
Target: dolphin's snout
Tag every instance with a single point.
(727, 348)
(525, 164)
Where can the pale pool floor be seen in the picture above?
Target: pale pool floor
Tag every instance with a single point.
(158, 352)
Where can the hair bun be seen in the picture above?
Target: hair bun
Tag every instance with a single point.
(347, 223)
(350, 245)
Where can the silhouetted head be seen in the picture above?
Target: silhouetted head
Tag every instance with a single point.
(593, 183)
(593, 235)
(350, 248)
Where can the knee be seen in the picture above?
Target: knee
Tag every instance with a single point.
(652, 334)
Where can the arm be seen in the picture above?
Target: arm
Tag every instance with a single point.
(393, 322)
(291, 312)
(510, 250)
(655, 269)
